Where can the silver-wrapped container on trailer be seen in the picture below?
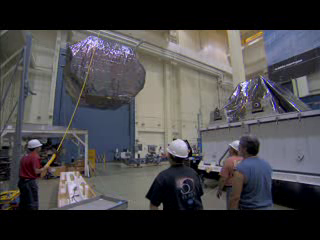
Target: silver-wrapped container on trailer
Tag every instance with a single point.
(259, 93)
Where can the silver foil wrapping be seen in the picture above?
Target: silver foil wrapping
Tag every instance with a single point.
(116, 75)
(268, 93)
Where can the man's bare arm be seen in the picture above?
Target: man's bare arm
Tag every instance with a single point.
(153, 207)
(237, 185)
(224, 176)
(221, 184)
(39, 171)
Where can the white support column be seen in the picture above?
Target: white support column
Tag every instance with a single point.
(180, 93)
(295, 88)
(54, 76)
(235, 47)
(302, 85)
(86, 154)
(167, 104)
(136, 125)
(200, 100)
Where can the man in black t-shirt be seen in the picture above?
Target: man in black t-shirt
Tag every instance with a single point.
(178, 187)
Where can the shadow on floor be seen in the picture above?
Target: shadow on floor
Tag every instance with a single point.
(132, 184)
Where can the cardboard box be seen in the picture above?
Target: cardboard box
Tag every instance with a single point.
(70, 169)
(57, 170)
(80, 169)
(75, 169)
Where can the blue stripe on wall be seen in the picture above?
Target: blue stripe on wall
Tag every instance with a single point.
(283, 44)
(312, 101)
(108, 129)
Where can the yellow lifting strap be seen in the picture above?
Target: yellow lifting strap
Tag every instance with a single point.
(74, 112)
(9, 196)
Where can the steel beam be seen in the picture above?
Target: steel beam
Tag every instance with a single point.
(10, 70)
(54, 76)
(14, 168)
(79, 139)
(11, 57)
(10, 84)
(3, 32)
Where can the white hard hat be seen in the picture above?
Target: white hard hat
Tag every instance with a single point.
(178, 148)
(235, 145)
(34, 143)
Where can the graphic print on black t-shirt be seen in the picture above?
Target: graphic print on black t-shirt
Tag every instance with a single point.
(186, 192)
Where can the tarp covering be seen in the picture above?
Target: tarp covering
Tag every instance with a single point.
(116, 75)
(265, 92)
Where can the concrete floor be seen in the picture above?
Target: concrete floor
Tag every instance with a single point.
(131, 184)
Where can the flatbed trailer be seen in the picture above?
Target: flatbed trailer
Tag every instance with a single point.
(289, 142)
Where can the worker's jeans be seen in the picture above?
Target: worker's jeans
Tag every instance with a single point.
(28, 194)
(228, 191)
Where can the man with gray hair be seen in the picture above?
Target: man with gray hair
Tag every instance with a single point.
(251, 189)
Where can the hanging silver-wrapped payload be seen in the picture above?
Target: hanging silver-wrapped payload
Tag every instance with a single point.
(116, 76)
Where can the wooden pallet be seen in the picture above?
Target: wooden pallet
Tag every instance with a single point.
(73, 188)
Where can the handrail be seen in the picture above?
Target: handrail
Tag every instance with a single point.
(11, 57)
(11, 81)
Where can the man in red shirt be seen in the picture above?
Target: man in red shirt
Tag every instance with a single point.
(30, 169)
(227, 170)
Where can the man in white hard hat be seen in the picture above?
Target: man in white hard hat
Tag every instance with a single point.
(30, 169)
(178, 187)
(227, 171)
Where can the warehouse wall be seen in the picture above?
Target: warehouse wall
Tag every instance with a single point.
(314, 82)
(255, 60)
(190, 103)
(208, 93)
(190, 91)
(158, 38)
(36, 106)
(150, 104)
(207, 46)
(43, 45)
(254, 57)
